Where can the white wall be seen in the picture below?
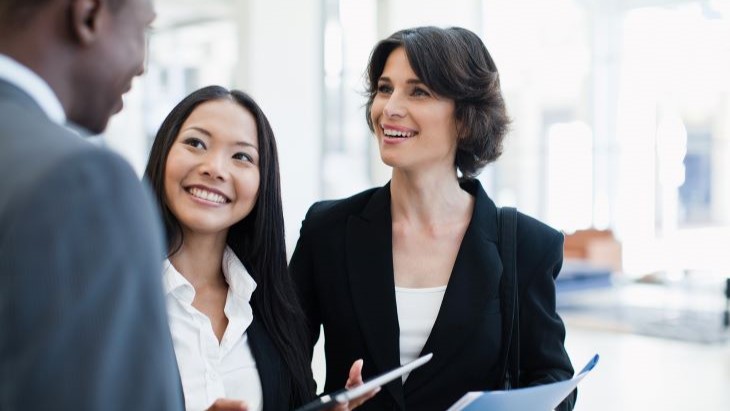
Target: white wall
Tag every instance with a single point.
(281, 66)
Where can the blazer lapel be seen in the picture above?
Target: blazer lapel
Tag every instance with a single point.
(472, 287)
(369, 252)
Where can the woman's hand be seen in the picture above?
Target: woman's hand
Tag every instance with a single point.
(353, 380)
(224, 404)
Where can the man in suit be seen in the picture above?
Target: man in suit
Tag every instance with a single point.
(82, 316)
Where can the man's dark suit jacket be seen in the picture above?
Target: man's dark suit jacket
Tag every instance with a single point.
(82, 315)
(343, 267)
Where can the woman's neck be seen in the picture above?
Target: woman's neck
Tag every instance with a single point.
(200, 259)
(428, 198)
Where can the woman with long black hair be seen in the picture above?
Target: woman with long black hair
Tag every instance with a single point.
(236, 325)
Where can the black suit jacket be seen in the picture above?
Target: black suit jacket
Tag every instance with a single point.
(82, 315)
(343, 268)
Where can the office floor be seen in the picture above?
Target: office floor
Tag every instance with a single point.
(681, 362)
(639, 373)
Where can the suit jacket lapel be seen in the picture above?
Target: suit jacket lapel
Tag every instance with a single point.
(369, 253)
(473, 285)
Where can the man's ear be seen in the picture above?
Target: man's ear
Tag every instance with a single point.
(85, 19)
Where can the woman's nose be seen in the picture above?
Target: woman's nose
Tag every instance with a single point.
(213, 166)
(395, 106)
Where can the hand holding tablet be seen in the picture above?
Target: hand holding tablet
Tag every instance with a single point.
(350, 394)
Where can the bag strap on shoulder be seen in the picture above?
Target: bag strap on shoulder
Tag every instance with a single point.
(507, 220)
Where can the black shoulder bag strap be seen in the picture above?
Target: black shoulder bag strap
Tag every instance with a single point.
(507, 218)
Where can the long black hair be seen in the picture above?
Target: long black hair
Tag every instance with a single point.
(257, 240)
(454, 63)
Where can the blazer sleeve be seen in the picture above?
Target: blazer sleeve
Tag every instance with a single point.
(87, 322)
(543, 358)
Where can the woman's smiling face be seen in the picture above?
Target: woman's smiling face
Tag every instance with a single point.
(212, 171)
(415, 127)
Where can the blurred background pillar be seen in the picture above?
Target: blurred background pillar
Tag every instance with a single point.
(281, 65)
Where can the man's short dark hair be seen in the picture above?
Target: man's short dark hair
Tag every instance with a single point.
(15, 13)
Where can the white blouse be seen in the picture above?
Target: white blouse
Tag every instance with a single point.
(417, 312)
(210, 370)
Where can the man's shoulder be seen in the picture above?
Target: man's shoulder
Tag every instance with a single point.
(47, 159)
(89, 170)
(29, 138)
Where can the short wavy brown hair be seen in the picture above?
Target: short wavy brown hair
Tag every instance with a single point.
(454, 63)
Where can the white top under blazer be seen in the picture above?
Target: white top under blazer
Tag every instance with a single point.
(417, 312)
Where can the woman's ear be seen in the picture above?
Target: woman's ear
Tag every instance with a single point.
(85, 19)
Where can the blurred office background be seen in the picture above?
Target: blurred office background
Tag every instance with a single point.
(621, 138)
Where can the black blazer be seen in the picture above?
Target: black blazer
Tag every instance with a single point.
(343, 268)
(275, 376)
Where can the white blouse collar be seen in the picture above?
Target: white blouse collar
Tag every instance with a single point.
(241, 284)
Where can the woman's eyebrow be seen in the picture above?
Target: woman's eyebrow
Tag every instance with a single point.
(246, 144)
(201, 130)
(416, 81)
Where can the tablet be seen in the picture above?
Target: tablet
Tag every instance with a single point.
(345, 395)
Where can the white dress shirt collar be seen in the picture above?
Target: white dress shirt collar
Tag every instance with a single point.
(241, 284)
(237, 277)
(31, 83)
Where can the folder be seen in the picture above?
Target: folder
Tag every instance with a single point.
(537, 398)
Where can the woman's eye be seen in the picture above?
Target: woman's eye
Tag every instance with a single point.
(420, 92)
(194, 142)
(384, 89)
(243, 157)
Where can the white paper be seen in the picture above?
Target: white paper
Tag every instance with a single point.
(538, 398)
